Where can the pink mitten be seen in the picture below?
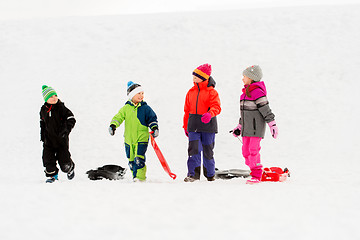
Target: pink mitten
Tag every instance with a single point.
(206, 117)
(273, 129)
(237, 131)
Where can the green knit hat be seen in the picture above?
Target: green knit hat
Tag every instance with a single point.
(47, 92)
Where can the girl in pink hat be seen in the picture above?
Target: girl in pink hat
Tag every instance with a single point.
(202, 105)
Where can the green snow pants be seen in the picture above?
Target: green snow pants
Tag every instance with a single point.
(136, 155)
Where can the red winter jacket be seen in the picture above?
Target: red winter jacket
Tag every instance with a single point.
(201, 98)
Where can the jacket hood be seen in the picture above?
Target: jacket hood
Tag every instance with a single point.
(261, 85)
(208, 83)
(56, 104)
(142, 103)
(212, 82)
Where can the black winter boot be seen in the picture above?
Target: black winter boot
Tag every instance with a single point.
(71, 172)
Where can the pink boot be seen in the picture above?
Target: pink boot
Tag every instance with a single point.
(256, 174)
(253, 181)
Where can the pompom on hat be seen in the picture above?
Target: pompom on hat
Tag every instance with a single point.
(133, 89)
(48, 92)
(253, 72)
(203, 71)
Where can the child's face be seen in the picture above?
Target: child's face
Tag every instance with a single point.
(246, 80)
(196, 79)
(53, 100)
(138, 97)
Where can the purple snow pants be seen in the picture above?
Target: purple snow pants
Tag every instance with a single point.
(251, 152)
(201, 142)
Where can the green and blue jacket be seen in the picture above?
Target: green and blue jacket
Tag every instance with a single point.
(137, 121)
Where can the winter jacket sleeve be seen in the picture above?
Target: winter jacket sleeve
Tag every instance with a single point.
(42, 128)
(215, 106)
(262, 104)
(69, 119)
(186, 111)
(151, 118)
(119, 117)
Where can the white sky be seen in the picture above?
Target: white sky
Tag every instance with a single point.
(24, 9)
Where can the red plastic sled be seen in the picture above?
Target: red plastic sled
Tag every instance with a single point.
(275, 174)
(161, 158)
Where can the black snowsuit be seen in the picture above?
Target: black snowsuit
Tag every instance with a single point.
(56, 122)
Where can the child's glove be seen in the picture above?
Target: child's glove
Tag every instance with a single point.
(112, 129)
(64, 133)
(206, 117)
(237, 131)
(186, 132)
(155, 132)
(273, 129)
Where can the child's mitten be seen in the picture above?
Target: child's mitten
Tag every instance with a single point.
(206, 117)
(155, 132)
(64, 133)
(186, 132)
(112, 129)
(273, 129)
(237, 130)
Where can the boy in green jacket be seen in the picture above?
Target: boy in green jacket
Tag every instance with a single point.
(138, 117)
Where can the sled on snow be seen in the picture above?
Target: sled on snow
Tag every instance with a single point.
(231, 173)
(111, 172)
(275, 174)
(272, 174)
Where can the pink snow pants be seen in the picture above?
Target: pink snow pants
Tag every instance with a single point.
(251, 152)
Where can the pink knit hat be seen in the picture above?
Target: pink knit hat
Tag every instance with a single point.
(203, 71)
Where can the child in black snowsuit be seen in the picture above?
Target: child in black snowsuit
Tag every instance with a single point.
(56, 122)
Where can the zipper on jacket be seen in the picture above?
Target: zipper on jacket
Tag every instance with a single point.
(254, 124)
(197, 98)
(242, 116)
(49, 111)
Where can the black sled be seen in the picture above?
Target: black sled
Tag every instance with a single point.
(231, 173)
(111, 172)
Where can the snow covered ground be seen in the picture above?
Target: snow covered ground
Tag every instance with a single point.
(310, 59)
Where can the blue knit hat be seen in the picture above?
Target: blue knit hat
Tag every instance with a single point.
(47, 92)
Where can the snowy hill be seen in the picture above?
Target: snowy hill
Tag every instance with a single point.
(310, 59)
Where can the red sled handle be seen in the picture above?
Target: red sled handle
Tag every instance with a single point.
(161, 157)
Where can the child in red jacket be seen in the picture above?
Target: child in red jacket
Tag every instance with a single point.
(202, 105)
